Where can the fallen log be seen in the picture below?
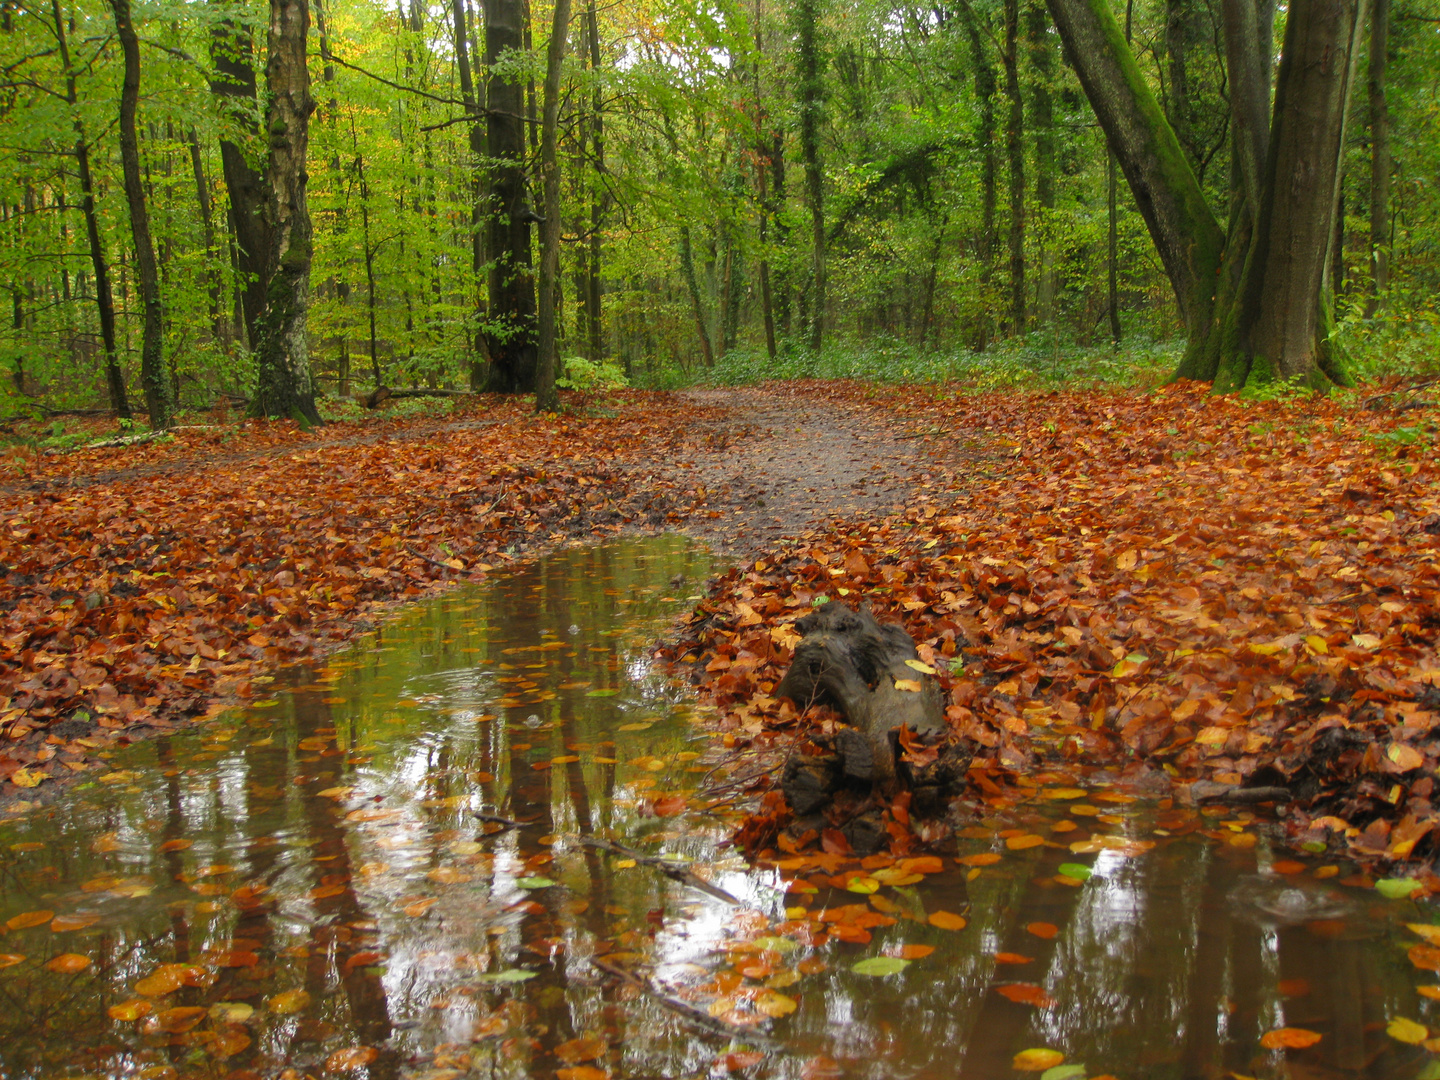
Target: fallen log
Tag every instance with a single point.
(895, 735)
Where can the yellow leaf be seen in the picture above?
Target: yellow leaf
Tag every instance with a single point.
(1407, 1031)
(622, 864)
(1037, 1060)
(288, 1002)
(773, 1004)
(921, 666)
(1126, 559)
(912, 685)
(1405, 757)
(1064, 793)
(129, 1010)
(27, 778)
(1317, 643)
(863, 885)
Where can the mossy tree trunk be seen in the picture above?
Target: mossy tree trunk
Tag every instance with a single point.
(1254, 298)
(282, 353)
(510, 331)
(546, 397)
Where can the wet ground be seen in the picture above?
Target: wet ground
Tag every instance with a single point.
(486, 842)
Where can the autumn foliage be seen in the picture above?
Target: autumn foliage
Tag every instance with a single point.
(1196, 594)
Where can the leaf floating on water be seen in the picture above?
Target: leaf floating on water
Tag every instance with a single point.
(910, 952)
(1425, 930)
(1432, 992)
(1021, 843)
(880, 966)
(177, 845)
(534, 882)
(128, 1011)
(586, 1048)
(649, 764)
(105, 843)
(984, 858)
(862, 885)
(230, 1012)
(180, 1019)
(1026, 994)
(637, 725)
(61, 923)
(1078, 871)
(416, 908)
(1013, 958)
(947, 920)
(1424, 957)
(1037, 1060)
(28, 919)
(1064, 793)
(1398, 888)
(1289, 1038)
(1407, 1031)
(775, 1004)
(288, 1002)
(511, 975)
(604, 692)
(821, 1067)
(1043, 930)
(582, 1072)
(449, 875)
(352, 1057)
(69, 963)
(10, 959)
(229, 1043)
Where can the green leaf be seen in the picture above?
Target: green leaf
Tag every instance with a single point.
(607, 692)
(777, 944)
(880, 965)
(534, 882)
(1064, 1072)
(511, 975)
(1397, 888)
(1430, 1072)
(1078, 871)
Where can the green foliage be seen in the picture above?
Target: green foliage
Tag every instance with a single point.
(589, 376)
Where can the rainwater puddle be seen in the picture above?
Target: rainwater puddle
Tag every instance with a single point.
(329, 884)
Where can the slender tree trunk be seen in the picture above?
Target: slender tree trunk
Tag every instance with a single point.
(767, 312)
(1379, 158)
(810, 92)
(1112, 247)
(510, 333)
(232, 57)
(152, 348)
(284, 386)
(985, 86)
(546, 397)
(1042, 113)
(104, 299)
(697, 304)
(479, 199)
(218, 323)
(781, 295)
(593, 312)
(1178, 18)
(1015, 153)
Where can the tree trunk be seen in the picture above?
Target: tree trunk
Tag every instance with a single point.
(593, 311)
(1379, 158)
(1042, 114)
(475, 134)
(767, 312)
(510, 332)
(810, 93)
(104, 299)
(1015, 153)
(232, 55)
(546, 397)
(985, 85)
(152, 349)
(218, 323)
(1112, 248)
(282, 353)
(697, 305)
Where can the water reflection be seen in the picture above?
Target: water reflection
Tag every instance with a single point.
(334, 880)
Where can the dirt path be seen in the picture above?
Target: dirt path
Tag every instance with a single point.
(779, 461)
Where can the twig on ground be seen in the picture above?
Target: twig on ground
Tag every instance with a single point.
(673, 870)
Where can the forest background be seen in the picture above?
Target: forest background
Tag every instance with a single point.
(828, 187)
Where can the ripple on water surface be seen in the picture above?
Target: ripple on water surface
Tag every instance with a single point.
(380, 870)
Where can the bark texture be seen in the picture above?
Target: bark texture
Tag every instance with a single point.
(810, 93)
(510, 329)
(282, 352)
(152, 360)
(1379, 157)
(546, 397)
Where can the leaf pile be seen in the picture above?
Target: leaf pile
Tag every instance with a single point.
(1204, 591)
(138, 595)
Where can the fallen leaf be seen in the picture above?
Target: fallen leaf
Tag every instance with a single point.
(351, 1057)
(1037, 1060)
(946, 920)
(68, 963)
(1289, 1038)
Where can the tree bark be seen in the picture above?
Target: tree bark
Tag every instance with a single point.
(152, 359)
(546, 397)
(1015, 156)
(697, 304)
(284, 386)
(810, 93)
(593, 310)
(1042, 62)
(985, 86)
(232, 55)
(510, 330)
(104, 298)
(1379, 158)
(475, 135)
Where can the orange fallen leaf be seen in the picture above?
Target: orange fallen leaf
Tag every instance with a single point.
(947, 920)
(984, 858)
(69, 963)
(1289, 1038)
(1043, 930)
(582, 1072)
(28, 919)
(1013, 958)
(1021, 843)
(1026, 994)
(585, 1048)
(351, 1057)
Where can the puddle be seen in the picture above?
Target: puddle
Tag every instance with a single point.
(329, 883)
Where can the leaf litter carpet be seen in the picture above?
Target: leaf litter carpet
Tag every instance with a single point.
(1198, 596)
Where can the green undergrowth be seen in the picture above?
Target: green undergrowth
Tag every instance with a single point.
(1034, 362)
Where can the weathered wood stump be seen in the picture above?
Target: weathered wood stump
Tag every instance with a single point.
(850, 661)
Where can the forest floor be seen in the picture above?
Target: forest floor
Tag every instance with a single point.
(1208, 597)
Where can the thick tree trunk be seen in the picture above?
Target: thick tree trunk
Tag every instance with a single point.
(1285, 315)
(510, 333)
(232, 55)
(546, 397)
(810, 94)
(1379, 158)
(152, 359)
(1015, 159)
(282, 353)
(104, 298)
